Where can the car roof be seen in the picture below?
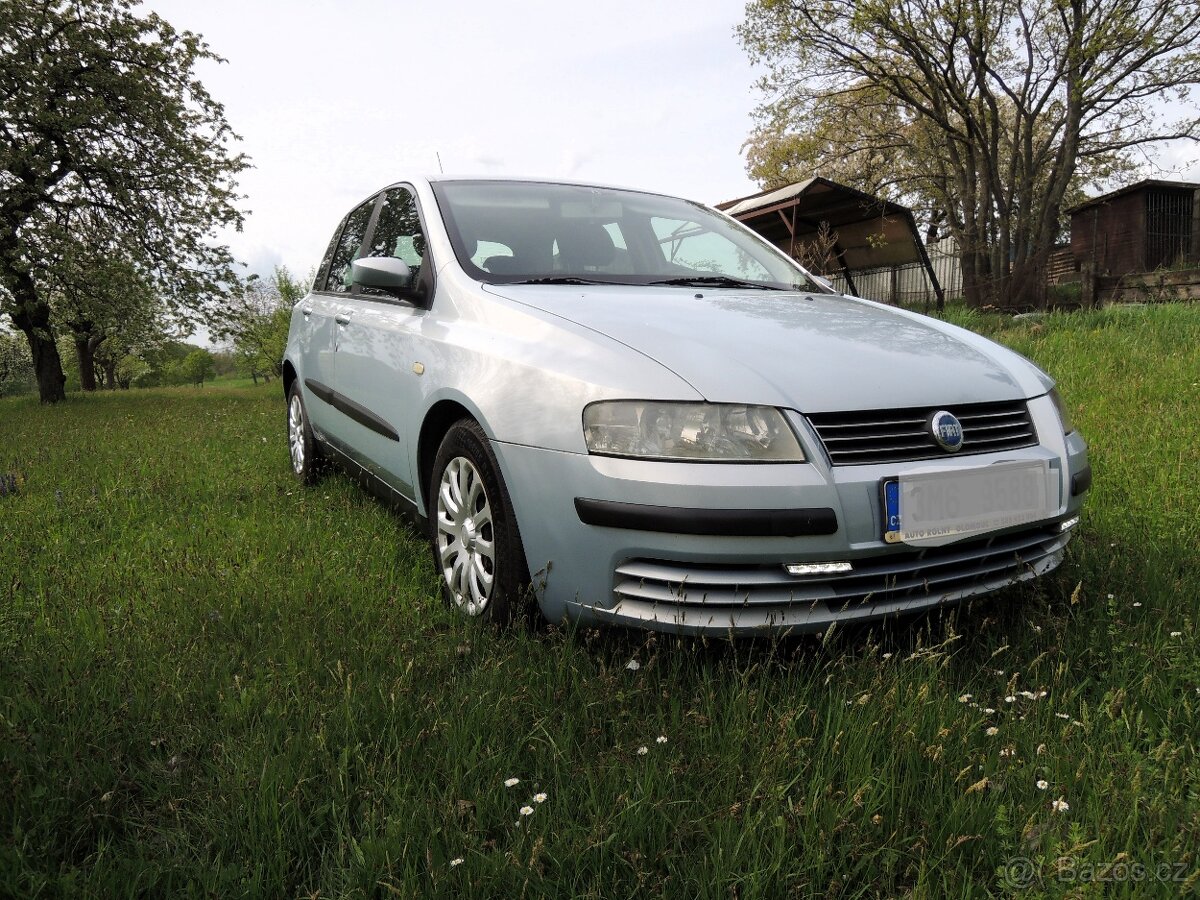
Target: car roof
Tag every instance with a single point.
(539, 179)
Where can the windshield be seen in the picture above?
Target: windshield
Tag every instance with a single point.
(530, 232)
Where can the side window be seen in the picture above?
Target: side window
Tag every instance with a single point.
(346, 251)
(398, 233)
(326, 262)
(688, 245)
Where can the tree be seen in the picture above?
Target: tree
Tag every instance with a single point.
(16, 368)
(109, 306)
(258, 321)
(991, 111)
(198, 366)
(103, 121)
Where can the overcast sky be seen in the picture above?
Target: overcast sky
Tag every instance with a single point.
(337, 99)
(334, 100)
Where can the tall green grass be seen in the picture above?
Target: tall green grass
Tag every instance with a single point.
(216, 682)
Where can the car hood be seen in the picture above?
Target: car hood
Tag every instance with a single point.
(809, 352)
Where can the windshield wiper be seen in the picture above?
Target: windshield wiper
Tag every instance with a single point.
(562, 279)
(716, 281)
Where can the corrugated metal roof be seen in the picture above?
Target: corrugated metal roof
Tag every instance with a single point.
(767, 198)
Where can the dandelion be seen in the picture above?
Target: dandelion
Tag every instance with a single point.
(512, 782)
(992, 732)
(1176, 634)
(1010, 699)
(965, 698)
(642, 751)
(1042, 784)
(457, 861)
(1060, 805)
(661, 739)
(633, 665)
(989, 711)
(1110, 596)
(539, 798)
(527, 810)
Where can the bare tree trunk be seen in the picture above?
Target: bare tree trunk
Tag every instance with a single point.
(33, 318)
(85, 352)
(110, 375)
(975, 275)
(1028, 282)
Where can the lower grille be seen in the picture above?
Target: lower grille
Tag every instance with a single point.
(886, 578)
(900, 435)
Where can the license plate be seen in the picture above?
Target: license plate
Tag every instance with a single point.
(931, 507)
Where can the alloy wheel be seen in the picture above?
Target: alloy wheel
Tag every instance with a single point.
(466, 545)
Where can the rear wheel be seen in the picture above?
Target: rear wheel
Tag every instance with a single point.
(476, 545)
(302, 444)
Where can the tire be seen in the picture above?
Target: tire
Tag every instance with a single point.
(477, 549)
(303, 449)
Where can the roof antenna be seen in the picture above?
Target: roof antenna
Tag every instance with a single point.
(439, 156)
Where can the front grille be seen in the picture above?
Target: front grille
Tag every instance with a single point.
(901, 435)
(985, 563)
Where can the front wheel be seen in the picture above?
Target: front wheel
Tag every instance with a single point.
(476, 545)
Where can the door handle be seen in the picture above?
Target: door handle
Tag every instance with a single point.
(342, 320)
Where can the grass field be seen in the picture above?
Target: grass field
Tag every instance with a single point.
(216, 682)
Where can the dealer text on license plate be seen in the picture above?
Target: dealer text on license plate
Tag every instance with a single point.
(937, 506)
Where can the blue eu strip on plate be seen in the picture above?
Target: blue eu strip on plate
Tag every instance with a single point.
(891, 511)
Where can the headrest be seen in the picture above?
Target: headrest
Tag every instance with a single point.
(585, 244)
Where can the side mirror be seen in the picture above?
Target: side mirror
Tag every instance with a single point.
(384, 272)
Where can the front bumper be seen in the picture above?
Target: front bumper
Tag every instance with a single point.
(706, 577)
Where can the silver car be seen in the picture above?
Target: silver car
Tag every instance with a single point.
(634, 410)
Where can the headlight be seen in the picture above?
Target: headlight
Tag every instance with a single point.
(716, 432)
(1063, 415)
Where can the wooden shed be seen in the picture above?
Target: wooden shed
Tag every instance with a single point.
(1142, 227)
(869, 235)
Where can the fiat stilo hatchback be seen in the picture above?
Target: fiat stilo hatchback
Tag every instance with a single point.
(632, 409)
